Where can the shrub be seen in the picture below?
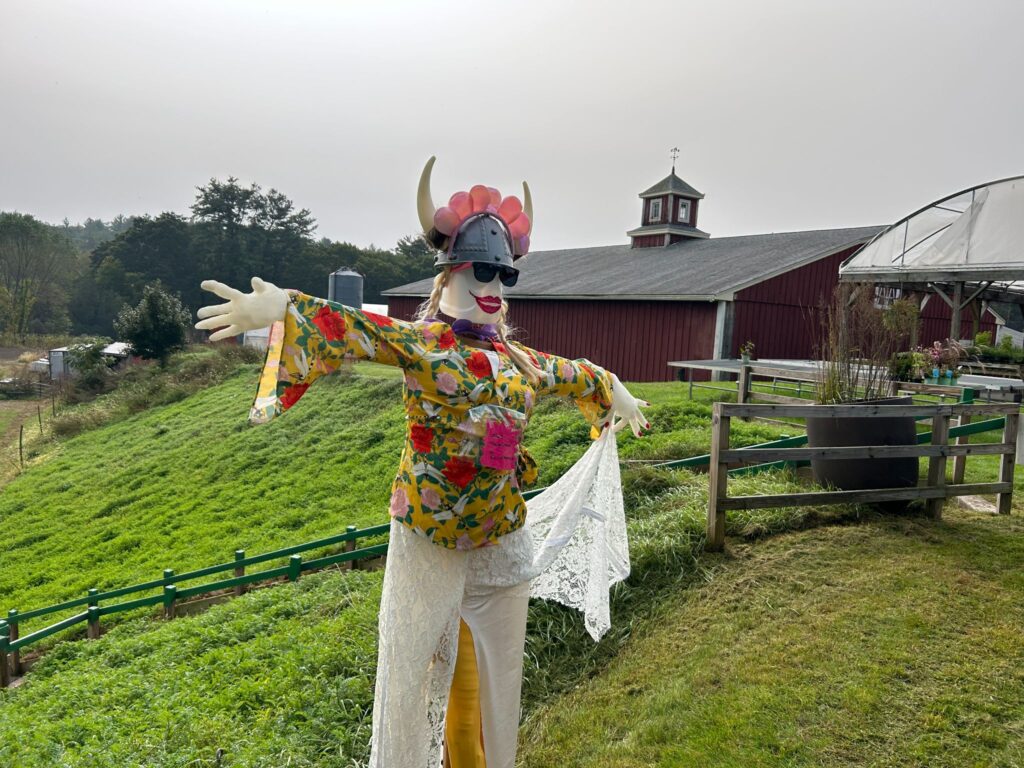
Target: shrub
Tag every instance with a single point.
(157, 326)
(983, 339)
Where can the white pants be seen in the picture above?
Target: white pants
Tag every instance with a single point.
(426, 589)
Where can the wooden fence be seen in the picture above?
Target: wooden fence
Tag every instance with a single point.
(935, 491)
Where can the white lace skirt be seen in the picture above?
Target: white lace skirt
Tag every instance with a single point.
(573, 548)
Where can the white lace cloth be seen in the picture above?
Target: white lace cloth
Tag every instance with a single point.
(577, 546)
(573, 548)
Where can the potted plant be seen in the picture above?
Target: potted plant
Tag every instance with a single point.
(747, 351)
(859, 343)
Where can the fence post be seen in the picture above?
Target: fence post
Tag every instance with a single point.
(170, 595)
(718, 477)
(937, 464)
(1006, 463)
(5, 672)
(239, 571)
(92, 631)
(960, 462)
(12, 633)
(294, 567)
(350, 546)
(743, 385)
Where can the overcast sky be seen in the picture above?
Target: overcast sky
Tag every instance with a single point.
(788, 115)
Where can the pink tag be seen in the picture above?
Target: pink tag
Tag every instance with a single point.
(501, 443)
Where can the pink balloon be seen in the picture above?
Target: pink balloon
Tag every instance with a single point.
(495, 196)
(510, 208)
(523, 245)
(520, 227)
(461, 203)
(446, 220)
(481, 197)
(491, 209)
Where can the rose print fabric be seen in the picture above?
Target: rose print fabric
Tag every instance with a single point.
(459, 478)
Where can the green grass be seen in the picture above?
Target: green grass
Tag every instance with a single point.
(816, 642)
(892, 643)
(183, 485)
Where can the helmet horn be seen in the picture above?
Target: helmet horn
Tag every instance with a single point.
(424, 202)
(528, 205)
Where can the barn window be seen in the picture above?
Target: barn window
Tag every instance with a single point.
(684, 211)
(655, 214)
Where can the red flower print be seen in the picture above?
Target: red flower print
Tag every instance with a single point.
(292, 394)
(379, 320)
(447, 340)
(459, 470)
(422, 437)
(588, 370)
(330, 323)
(479, 364)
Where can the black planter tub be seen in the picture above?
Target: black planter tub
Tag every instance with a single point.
(864, 474)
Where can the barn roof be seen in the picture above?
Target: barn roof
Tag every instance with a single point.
(695, 270)
(673, 184)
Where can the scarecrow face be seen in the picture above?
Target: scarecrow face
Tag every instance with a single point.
(466, 298)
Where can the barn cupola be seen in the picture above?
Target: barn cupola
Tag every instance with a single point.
(668, 213)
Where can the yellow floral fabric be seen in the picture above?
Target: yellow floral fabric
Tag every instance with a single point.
(459, 478)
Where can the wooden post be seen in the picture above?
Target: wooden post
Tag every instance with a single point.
(1006, 463)
(13, 634)
(957, 307)
(294, 567)
(743, 385)
(5, 672)
(93, 629)
(937, 464)
(39, 413)
(960, 462)
(350, 546)
(21, 445)
(239, 571)
(718, 477)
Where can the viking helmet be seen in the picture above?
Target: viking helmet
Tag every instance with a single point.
(479, 225)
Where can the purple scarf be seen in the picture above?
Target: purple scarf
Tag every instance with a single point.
(464, 327)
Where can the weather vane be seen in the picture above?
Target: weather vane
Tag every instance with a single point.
(675, 153)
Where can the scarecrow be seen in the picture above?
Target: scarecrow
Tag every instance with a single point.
(461, 552)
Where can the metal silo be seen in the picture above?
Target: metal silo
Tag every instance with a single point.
(345, 286)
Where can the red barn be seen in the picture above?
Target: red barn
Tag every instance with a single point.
(675, 293)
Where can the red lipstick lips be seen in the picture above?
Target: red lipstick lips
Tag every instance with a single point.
(489, 304)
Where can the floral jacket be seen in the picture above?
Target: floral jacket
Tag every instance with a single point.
(458, 482)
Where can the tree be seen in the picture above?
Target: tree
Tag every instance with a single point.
(157, 326)
(33, 259)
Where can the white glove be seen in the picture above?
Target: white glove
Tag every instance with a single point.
(243, 311)
(626, 409)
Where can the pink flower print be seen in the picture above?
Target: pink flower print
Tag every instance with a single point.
(412, 384)
(430, 498)
(528, 396)
(567, 372)
(464, 542)
(487, 524)
(399, 503)
(428, 334)
(446, 383)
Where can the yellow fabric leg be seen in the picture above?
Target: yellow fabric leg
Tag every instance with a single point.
(464, 746)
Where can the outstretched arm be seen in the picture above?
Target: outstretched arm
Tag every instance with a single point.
(599, 394)
(309, 337)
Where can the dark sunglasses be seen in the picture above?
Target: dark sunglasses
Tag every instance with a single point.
(485, 272)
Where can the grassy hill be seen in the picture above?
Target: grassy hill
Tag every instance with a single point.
(731, 659)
